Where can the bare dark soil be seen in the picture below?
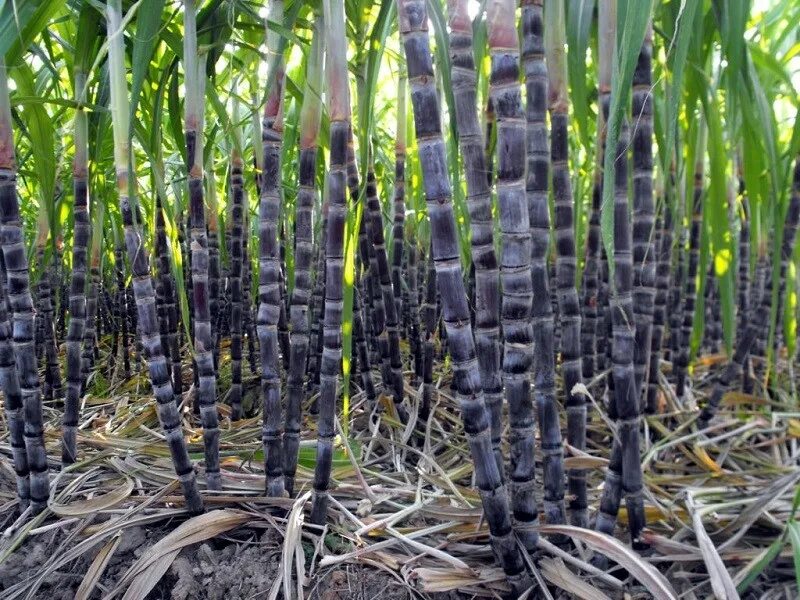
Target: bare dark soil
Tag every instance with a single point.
(242, 566)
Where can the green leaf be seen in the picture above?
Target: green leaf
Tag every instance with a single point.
(374, 57)
(756, 569)
(87, 38)
(733, 24)
(679, 52)
(794, 537)
(720, 229)
(756, 181)
(795, 502)
(176, 115)
(579, 23)
(221, 113)
(19, 100)
(39, 128)
(166, 68)
(307, 455)
(632, 23)
(21, 22)
(148, 23)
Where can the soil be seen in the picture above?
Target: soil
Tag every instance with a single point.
(243, 566)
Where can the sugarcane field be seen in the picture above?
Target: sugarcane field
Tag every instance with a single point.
(400, 299)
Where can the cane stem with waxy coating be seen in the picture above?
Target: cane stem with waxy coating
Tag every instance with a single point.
(12, 397)
(744, 289)
(663, 272)
(644, 263)
(569, 313)
(201, 307)
(90, 333)
(338, 99)
(170, 309)
(427, 314)
(21, 304)
(515, 271)
(269, 304)
(310, 115)
(388, 335)
(398, 222)
(52, 388)
(477, 162)
(237, 266)
(82, 232)
(143, 290)
(214, 296)
(413, 20)
(624, 473)
(591, 278)
(693, 265)
(536, 188)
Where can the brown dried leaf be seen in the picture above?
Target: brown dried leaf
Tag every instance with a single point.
(721, 582)
(97, 567)
(643, 571)
(153, 563)
(557, 573)
(98, 503)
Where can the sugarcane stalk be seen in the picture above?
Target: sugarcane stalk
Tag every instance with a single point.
(237, 267)
(203, 335)
(536, 188)
(338, 103)
(317, 311)
(644, 263)
(663, 268)
(310, 116)
(427, 314)
(478, 161)
(744, 288)
(398, 222)
(591, 279)
(52, 388)
(269, 269)
(515, 269)
(368, 280)
(13, 405)
(690, 289)
(387, 332)
(413, 20)
(624, 473)
(169, 301)
(142, 283)
(81, 234)
(569, 314)
(90, 333)
(21, 304)
(412, 275)
(214, 296)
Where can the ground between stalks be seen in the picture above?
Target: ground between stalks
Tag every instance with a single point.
(405, 521)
